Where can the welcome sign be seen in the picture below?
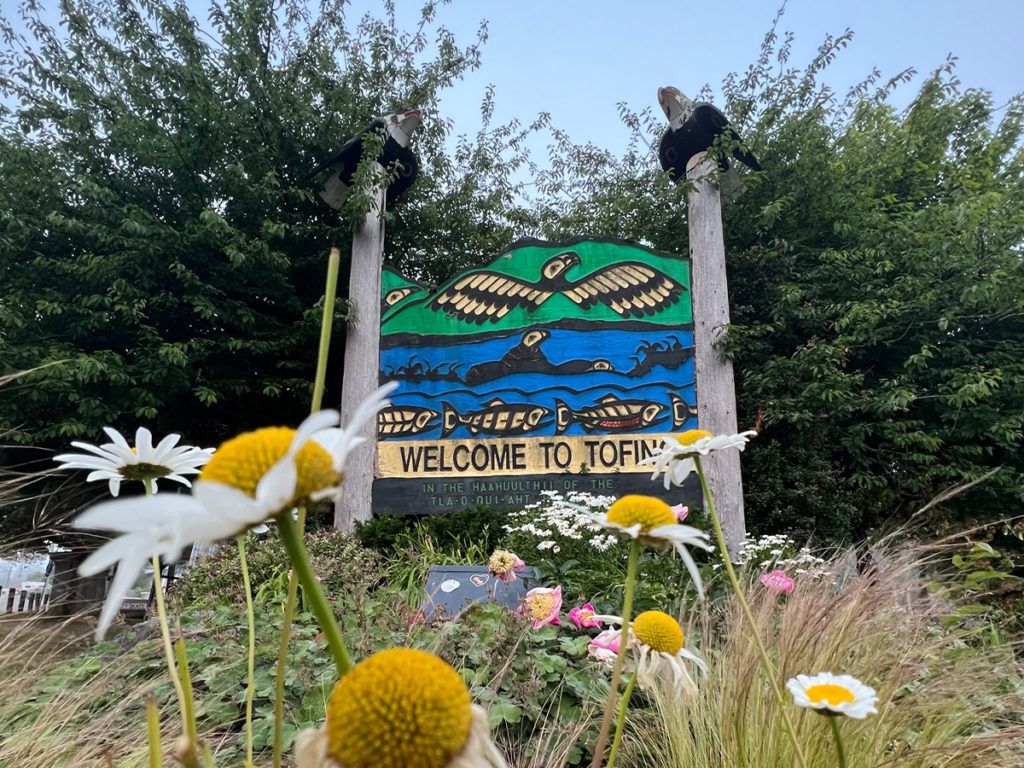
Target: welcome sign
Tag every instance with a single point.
(558, 366)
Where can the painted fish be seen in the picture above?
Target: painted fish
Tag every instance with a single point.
(609, 414)
(496, 418)
(404, 420)
(682, 411)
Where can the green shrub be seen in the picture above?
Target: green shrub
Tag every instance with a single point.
(540, 688)
(343, 565)
(481, 524)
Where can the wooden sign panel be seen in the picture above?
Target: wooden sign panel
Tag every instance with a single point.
(558, 366)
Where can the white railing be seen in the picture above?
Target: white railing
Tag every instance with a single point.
(15, 600)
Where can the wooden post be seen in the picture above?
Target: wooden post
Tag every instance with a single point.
(362, 361)
(716, 394)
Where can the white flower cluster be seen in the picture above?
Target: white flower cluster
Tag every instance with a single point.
(603, 543)
(568, 516)
(780, 551)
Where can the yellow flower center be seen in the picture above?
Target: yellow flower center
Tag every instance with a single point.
(691, 436)
(540, 605)
(243, 461)
(828, 692)
(646, 510)
(659, 631)
(400, 708)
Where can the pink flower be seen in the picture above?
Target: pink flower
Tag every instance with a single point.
(504, 565)
(605, 647)
(583, 616)
(680, 511)
(542, 605)
(777, 582)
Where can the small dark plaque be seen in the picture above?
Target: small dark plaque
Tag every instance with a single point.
(453, 588)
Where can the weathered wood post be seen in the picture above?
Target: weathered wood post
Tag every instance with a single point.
(362, 341)
(683, 152)
(716, 390)
(362, 356)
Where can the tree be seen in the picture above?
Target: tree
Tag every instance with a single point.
(161, 258)
(877, 289)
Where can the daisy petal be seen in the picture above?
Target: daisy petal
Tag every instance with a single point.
(117, 438)
(127, 572)
(141, 513)
(164, 449)
(144, 444)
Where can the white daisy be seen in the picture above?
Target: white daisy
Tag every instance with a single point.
(250, 478)
(834, 694)
(117, 461)
(675, 456)
(653, 522)
(657, 639)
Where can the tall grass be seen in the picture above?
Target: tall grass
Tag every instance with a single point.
(943, 701)
(947, 698)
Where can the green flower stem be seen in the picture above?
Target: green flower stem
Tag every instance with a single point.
(623, 706)
(326, 321)
(293, 544)
(250, 689)
(282, 653)
(189, 758)
(833, 720)
(766, 662)
(341, 655)
(165, 633)
(153, 731)
(620, 659)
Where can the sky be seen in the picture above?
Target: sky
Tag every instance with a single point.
(578, 60)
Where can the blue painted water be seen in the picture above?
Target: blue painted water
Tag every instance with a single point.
(644, 366)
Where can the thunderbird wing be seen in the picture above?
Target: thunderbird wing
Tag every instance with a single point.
(630, 288)
(485, 295)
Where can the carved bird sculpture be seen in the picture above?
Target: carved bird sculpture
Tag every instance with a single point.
(397, 129)
(693, 127)
(630, 288)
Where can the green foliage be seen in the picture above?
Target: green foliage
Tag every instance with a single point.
(481, 524)
(988, 598)
(162, 255)
(532, 682)
(876, 286)
(344, 567)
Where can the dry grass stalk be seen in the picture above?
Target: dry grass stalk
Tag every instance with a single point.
(941, 702)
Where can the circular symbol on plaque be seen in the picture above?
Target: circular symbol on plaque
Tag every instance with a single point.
(450, 585)
(479, 579)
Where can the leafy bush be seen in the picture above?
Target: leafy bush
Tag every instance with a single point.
(480, 524)
(539, 687)
(343, 565)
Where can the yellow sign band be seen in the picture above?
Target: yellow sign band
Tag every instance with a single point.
(515, 456)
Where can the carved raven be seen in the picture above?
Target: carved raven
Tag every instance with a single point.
(693, 128)
(397, 129)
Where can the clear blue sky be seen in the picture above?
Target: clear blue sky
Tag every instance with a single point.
(577, 60)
